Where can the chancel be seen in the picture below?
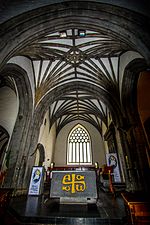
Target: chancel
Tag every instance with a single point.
(75, 112)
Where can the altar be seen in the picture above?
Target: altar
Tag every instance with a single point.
(74, 186)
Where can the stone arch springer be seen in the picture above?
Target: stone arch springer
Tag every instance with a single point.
(136, 150)
(130, 78)
(18, 139)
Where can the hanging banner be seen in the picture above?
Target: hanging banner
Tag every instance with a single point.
(112, 160)
(36, 181)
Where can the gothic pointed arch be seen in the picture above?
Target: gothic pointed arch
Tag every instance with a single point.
(133, 128)
(79, 150)
(75, 13)
(76, 77)
(60, 91)
(17, 142)
(129, 88)
(40, 155)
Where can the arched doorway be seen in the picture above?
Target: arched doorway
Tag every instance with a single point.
(143, 96)
(136, 108)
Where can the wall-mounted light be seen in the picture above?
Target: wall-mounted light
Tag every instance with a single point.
(63, 34)
(52, 165)
(81, 33)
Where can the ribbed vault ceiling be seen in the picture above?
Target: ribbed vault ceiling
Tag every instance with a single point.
(92, 58)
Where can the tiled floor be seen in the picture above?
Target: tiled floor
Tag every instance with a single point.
(35, 210)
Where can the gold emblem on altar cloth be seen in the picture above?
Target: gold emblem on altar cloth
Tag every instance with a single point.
(73, 183)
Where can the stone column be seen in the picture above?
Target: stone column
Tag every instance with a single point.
(123, 149)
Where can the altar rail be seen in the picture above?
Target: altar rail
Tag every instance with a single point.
(72, 168)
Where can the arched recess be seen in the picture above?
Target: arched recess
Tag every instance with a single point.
(8, 105)
(8, 115)
(136, 156)
(20, 31)
(16, 147)
(39, 155)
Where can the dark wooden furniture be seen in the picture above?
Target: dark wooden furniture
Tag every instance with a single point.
(5, 195)
(138, 208)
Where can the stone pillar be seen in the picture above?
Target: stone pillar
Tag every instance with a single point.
(17, 149)
(123, 149)
(31, 145)
(136, 160)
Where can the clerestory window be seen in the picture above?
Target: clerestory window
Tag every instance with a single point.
(79, 147)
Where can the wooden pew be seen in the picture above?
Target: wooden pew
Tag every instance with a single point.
(138, 208)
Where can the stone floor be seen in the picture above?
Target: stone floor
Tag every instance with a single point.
(40, 210)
